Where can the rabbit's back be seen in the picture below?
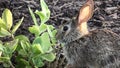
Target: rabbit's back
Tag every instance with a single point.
(99, 49)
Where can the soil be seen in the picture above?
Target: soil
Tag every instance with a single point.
(106, 15)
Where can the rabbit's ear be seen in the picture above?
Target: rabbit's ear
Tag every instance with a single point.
(86, 12)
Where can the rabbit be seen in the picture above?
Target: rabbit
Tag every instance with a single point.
(82, 48)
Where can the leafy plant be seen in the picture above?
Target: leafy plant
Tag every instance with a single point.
(44, 36)
(20, 49)
(8, 48)
(6, 23)
(33, 55)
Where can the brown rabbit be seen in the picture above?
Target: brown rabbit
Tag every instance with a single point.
(89, 49)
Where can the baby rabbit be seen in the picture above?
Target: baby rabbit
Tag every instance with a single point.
(88, 49)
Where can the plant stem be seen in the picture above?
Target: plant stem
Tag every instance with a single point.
(11, 64)
(12, 36)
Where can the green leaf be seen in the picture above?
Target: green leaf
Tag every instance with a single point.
(41, 15)
(4, 32)
(2, 24)
(33, 17)
(49, 57)
(43, 27)
(35, 30)
(53, 39)
(36, 48)
(37, 61)
(49, 31)
(24, 62)
(54, 32)
(14, 45)
(44, 6)
(51, 27)
(37, 45)
(23, 53)
(10, 47)
(17, 26)
(4, 59)
(44, 41)
(45, 13)
(7, 18)
(22, 38)
(1, 47)
(25, 46)
(21, 62)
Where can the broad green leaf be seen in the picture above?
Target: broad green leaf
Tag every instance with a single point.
(53, 39)
(33, 16)
(37, 40)
(14, 45)
(4, 32)
(17, 26)
(4, 59)
(22, 38)
(41, 15)
(45, 13)
(54, 32)
(44, 5)
(37, 44)
(7, 18)
(49, 57)
(51, 27)
(35, 30)
(36, 48)
(37, 61)
(2, 24)
(43, 27)
(10, 47)
(44, 41)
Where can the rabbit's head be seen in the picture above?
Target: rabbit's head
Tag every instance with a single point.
(75, 29)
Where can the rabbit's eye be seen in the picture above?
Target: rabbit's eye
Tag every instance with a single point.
(65, 28)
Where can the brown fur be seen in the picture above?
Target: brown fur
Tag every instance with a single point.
(84, 49)
(99, 49)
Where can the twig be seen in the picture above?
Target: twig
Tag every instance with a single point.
(57, 15)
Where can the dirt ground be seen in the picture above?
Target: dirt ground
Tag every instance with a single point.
(106, 15)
